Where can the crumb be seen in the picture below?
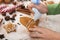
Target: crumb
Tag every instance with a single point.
(12, 18)
(21, 15)
(3, 22)
(3, 14)
(2, 36)
(6, 39)
(7, 18)
(10, 27)
(18, 23)
(14, 15)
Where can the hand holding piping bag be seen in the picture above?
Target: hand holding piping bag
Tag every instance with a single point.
(37, 14)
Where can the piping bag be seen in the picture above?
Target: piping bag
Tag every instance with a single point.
(37, 14)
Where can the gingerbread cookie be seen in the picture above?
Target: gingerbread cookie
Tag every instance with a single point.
(28, 22)
(10, 27)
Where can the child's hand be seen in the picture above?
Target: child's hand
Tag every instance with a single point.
(42, 7)
(30, 8)
(44, 34)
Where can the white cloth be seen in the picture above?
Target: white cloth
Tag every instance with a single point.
(52, 22)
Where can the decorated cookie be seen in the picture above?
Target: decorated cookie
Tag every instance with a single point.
(28, 22)
(9, 27)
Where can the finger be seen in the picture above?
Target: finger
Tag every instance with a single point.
(35, 26)
(36, 29)
(36, 35)
(30, 9)
(37, 39)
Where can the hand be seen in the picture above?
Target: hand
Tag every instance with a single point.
(42, 7)
(30, 7)
(44, 34)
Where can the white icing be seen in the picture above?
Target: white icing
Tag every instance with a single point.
(37, 14)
